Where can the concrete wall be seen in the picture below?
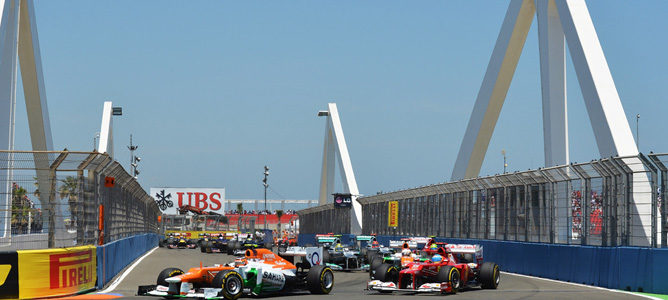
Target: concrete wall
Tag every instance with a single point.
(114, 256)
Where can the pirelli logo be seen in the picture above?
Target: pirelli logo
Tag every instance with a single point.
(70, 269)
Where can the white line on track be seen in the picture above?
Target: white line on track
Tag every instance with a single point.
(584, 285)
(127, 271)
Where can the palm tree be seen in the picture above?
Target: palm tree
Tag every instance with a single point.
(70, 190)
(36, 184)
(240, 208)
(279, 214)
(19, 205)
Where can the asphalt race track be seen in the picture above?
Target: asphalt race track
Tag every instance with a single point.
(351, 286)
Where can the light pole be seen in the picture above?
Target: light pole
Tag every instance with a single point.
(264, 182)
(503, 152)
(637, 133)
(97, 135)
(134, 160)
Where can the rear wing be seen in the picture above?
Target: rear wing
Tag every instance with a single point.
(466, 248)
(312, 254)
(404, 244)
(326, 239)
(366, 238)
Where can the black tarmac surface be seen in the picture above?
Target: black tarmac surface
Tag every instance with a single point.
(351, 285)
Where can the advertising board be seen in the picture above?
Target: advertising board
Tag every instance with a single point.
(343, 200)
(59, 271)
(393, 214)
(169, 199)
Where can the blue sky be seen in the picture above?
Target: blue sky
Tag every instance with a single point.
(214, 90)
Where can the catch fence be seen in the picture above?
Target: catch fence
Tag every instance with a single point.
(64, 198)
(608, 202)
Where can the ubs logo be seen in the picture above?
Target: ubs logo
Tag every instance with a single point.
(163, 200)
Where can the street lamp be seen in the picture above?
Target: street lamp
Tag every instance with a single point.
(264, 182)
(134, 160)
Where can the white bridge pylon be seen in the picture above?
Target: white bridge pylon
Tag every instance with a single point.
(20, 44)
(557, 19)
(106, 143)
(335, 147)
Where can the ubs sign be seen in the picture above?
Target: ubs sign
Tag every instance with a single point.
(170, 199)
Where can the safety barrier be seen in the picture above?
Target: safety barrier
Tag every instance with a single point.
(624, 268)
(115, 256)
(27, 274)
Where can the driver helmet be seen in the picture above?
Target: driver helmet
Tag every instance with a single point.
(338, 246)
(406, 252)
(437, 258)
(433, 247)
(374, 243)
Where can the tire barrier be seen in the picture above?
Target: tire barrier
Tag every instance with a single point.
(29, 274)
(115, 256)
(623, 268)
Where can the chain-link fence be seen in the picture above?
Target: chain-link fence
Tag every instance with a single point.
(324, 219)
(608, 202)
(58, 198)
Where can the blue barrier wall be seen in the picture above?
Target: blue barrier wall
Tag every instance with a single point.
(114, 256)
(624, 268)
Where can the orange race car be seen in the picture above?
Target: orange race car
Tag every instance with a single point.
(259, 272)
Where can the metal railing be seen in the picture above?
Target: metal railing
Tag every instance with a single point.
(54, 199)
(607, 202)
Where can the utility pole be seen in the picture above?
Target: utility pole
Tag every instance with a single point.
(134, 160)
(505, 165)
(637, 133)
(264, 182)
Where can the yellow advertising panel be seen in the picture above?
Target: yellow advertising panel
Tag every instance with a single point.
(52, 272)
(393, 214)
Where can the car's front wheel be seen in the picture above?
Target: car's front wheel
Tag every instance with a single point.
(230, 282)
(450, 274)
(166, 273)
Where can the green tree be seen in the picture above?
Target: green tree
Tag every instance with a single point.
(20, 208)
(279, 214)
(70, 189)
(240, 208)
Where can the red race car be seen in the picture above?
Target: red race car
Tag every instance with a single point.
(450, 269)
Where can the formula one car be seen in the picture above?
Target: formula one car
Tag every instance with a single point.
(259, 272)
(447, 271)
(181, 242)
(214, 243)
(401, 254)
(243, 242)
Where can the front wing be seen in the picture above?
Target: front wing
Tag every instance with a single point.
(185, 292)
(377, 285)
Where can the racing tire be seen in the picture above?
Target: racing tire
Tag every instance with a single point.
(166, 273)
(282, 249)
(203, 247)
(376, 261)
(230, 248)
(363, 253)
(489, 275)
(451, 275)
(320, 280)
(231, 283)
(325, 256)
(387, 273)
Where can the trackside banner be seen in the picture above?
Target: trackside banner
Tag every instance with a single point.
(53, 272)
(393, 214)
